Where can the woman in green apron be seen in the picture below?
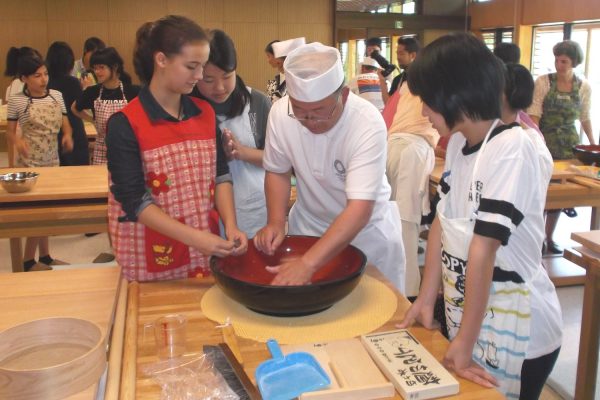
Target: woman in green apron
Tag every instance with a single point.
(559, 100)
(502, 312)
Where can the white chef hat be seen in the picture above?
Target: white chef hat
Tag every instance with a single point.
(370, 62)
(285, 47)
(313, 72)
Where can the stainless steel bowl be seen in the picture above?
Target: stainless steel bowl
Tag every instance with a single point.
(18, 182)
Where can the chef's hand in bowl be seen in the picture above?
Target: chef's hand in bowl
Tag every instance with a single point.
(239, 239)
(269, 238)
(422, 312)
(293, 273)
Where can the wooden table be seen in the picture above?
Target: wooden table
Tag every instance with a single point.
(576, 191)
(90, 131)
(149, 301)
(89, 294)
(65, 200)
(588, 257)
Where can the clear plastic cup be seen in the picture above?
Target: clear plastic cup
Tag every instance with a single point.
(169, 335)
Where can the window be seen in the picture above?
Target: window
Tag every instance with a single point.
(394, 7)
(542, 59)
(491, 37)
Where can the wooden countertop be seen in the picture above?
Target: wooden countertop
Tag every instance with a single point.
(88, 294)
(155, 299)
(62, 183)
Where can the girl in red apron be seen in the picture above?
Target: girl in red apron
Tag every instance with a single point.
(167, 166)
(112, 93)
(41, 114)
(502, 312)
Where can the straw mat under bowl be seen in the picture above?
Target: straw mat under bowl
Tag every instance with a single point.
(366, 308)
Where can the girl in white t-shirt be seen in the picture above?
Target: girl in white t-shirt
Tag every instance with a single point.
(41, 114)
(502, 312)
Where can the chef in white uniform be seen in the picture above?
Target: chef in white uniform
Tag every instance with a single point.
(335, 142)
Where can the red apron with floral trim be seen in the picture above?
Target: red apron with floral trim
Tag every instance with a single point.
(179, 161)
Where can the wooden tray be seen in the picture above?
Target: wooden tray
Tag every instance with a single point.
(354, 375)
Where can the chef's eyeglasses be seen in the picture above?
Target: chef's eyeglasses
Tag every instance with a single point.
(313, 119)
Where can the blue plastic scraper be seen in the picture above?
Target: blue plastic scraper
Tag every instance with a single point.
(287, 377)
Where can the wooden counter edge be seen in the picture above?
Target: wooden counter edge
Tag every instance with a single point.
(115, 358)
(129, 366)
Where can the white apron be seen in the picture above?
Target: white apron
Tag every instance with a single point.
(248, 179)
(40, 132)
(103, 110)
(504, 337)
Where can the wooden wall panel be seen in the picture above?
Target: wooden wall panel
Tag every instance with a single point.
(545, 11)
(75, 33)
(136, 10)
(306, 11)
(250, 11)
(193, 9)
(494, 14)
(583, 10)
(251, 24)
(214, 10)
(317, 33)
(22, 10)
(252, 61)
(77, 11)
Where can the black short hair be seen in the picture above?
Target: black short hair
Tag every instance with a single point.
(373, 41)
(60, 60)
(518, 86)
(92, 44)
(570, 49)
(410, 44)
(14, 55)
(457, 76)
(508, 52)
(111, 58)
(269, 48)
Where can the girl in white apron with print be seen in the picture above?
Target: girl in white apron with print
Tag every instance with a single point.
(107, 65)
(41, 113)
(242, 114)
(504, 336)
(494, 193)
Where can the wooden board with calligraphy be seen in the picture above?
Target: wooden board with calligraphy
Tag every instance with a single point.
(415, 373)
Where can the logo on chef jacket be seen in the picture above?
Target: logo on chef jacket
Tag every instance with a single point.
(478, 190)
(340, 170)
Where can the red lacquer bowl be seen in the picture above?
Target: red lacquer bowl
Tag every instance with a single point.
(588, 154)
(245, 279)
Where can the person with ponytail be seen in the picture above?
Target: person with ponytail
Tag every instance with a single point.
(12, 59)
(60, 60)
(242, 117)
(41, 114)
(113, 91)
(168, 170)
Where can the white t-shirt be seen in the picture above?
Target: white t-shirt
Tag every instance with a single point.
(347, 162)
(508, 173)
(367, 86)
(16, 86)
